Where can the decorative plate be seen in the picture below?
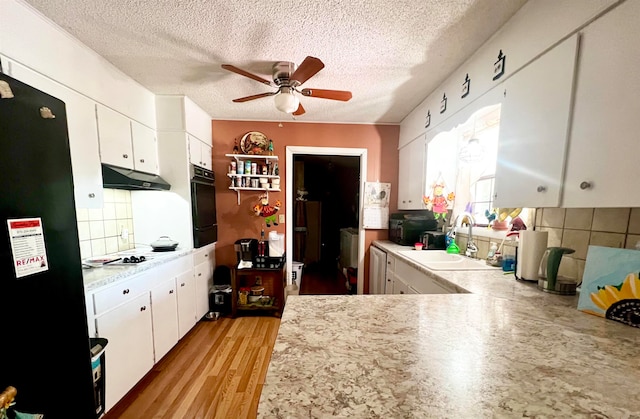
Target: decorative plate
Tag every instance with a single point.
(254, 142)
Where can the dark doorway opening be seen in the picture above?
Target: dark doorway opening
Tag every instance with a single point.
(327, 200)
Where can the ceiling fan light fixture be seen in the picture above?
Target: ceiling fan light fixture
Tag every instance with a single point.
(286, 101)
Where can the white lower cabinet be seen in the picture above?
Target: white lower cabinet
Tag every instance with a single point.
(389, 275)
(186, 286)
(164, 304)
(409, 280)
(142, 317)
(129, 352)
(377, 270)
(204, 262)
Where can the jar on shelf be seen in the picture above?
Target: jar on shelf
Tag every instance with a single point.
(243, 295)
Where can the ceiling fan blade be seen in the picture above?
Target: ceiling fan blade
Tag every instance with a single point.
(309, 67)
(299, 111)
(342, 95)
(242, 72)
(252, 97)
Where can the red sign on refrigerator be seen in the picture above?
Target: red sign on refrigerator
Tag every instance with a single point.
(27, 246)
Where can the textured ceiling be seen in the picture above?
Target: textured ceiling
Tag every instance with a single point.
(389, 53)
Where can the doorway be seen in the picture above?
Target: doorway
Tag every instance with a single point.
(332, 185)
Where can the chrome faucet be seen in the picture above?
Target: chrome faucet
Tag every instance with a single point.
(472, 249)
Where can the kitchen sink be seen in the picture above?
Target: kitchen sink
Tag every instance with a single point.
(440, 260)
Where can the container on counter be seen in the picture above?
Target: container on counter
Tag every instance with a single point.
(241, 169)
(232, 168)
(247, 167)
(254, 168)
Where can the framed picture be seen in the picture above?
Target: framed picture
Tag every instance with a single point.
(498, 66)
(443, 103)
(611, 284)
(427, 122)
(466, 86)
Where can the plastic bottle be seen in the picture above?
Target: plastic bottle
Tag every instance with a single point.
(453, 247)
(492, 250)
(262, 244)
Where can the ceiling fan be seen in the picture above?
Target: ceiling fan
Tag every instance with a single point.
(287, 78)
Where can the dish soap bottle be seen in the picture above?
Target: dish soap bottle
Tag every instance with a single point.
(453, 247)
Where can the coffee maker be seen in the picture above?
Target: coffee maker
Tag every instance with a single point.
(246, 251)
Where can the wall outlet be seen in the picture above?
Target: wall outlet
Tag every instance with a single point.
(124, 233)
(281, 218)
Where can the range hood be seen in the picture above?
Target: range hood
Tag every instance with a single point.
(119, 178)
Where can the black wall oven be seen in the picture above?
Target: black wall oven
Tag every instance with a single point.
(203, 206)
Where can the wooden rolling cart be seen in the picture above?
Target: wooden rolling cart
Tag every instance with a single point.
(272, 279)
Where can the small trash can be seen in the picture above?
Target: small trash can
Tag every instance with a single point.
(98, 370)
(296, 273)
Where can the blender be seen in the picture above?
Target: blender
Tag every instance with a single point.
(558, 274)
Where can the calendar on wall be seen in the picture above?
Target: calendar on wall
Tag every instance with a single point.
(376, 205)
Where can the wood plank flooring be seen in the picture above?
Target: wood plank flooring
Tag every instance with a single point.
(216, 371)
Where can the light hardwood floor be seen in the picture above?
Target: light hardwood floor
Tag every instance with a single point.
(216, 371)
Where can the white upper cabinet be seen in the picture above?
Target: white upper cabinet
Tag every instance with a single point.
(126, 143)
(179, 113)
(145, 150)
(534, 129)
(83, 136)
(411, 174)
(604, 146)
(199, 152)
(114, 132)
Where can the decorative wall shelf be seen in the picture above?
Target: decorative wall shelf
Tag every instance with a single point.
(243, 181)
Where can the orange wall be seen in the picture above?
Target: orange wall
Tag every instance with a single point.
(237, 221)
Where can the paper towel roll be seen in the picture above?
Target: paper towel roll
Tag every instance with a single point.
(531, 247)
(276, 244)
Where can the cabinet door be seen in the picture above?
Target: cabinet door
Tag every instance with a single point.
(377, 270)
(129, 356)
(203, 281)
(195, 150)
(400, 287)
(205, 155)
(604, 149)
(83, 135)
(187, 318)
(164, 308)
(114, 132)
(411, 174)
(389, 278)
(534, 129)
(145, 151)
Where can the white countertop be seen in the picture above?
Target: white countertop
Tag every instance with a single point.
(95, 278)
(505, 350)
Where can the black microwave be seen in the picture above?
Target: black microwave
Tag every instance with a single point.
(406, 228)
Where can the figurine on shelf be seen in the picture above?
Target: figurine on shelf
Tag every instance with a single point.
(270, 148)
(236, 150)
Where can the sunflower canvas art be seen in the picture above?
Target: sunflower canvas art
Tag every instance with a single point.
(611, 284)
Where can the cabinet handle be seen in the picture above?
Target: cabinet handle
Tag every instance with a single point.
(401, 292)
(92, 195)
(542, 188)
(125, 291)
(206, 255)
(199, 274)
(585, 185)
(182, 285)
(143, 308)
(141, 160)
(170, 291)
(126, 156)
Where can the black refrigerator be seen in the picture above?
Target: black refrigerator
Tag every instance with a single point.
(44, 341)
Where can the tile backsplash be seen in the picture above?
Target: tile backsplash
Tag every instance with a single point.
(100, 230)
(577, 228)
